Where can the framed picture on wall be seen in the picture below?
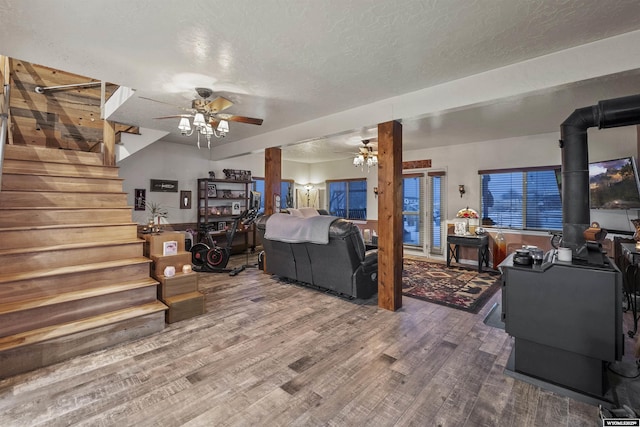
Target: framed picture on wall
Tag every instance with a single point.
(163, 185)
(140, 199)
(185, 199)
(222, 226)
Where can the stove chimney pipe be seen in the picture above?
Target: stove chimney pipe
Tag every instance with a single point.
(575, 160)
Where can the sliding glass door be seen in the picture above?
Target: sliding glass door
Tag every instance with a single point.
(412, 208)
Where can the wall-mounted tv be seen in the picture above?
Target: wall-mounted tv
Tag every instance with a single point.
(613, 184)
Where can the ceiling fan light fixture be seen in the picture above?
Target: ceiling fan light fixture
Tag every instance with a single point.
(198, 120)
(207, 130)
(366, 156)
(184, 126)
(223, 126)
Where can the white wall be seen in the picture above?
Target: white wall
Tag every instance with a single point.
(462, 163)
(186, 164)
(164, 160)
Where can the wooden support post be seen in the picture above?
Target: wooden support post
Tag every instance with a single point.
(272, 178)
(390, 215)
(109, 146)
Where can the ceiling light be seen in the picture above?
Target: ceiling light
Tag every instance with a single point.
(184, 126)
(201, 127)
(367, 157)
(223, 126)
(198, 120)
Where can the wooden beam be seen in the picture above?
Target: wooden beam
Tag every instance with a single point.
(109, 139)
(272, 178)
(390, 215)
(416, 164)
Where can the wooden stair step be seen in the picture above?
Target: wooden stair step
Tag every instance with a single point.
(26, 237)
(15, 260)
(53, 155)
(21, 217)
(36, 317)
(47, 248)
(58, 169)
(68, 328)
(74, 295)
(19, 287)
(30, 182)
(43, 199)
(86, 225)
(74, 269)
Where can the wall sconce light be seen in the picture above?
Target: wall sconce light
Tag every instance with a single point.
(375, 191)
(308, 187)
(461, 189)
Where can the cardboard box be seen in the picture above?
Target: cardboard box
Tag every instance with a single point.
(160, 262)
(184, 306)
(181, 283)
(154, 243)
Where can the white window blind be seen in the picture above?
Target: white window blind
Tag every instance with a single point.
(521, 199)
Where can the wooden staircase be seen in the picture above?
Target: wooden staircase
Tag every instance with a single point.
(72, 275)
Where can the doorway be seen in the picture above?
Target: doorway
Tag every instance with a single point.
(422, 213)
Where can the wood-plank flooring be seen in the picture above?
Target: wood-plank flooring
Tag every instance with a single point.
(269, 353)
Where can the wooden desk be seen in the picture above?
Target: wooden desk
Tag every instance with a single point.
(481, 243)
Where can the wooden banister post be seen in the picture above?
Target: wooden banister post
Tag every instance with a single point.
(109, 143)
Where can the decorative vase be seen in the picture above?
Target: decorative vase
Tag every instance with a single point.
(169, 271)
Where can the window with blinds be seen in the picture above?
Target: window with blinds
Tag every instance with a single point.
(413, 227)
(348, 198)
(286, 187)
(436, 180)
(521, 198)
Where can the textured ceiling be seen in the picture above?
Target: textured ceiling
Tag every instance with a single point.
(293, 62)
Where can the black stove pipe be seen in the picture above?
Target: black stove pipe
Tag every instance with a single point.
(575, 160)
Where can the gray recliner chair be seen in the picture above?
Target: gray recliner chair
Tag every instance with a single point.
(342, 265)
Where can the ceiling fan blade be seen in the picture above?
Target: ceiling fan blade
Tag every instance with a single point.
(166, 103)
(178, 116)
(218, 104)
(240, 119)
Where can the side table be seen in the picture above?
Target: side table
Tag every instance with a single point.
(481, 243)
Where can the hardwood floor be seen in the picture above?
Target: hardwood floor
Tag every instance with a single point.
(268, 353)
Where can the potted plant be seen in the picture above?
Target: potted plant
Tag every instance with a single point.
(156, 212)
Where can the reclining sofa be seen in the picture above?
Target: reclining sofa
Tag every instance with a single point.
(324, 251)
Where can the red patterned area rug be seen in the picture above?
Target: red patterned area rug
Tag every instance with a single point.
(454, 286)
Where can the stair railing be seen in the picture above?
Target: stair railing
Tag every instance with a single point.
(4, 117)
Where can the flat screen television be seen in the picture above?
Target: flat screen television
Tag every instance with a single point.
(613, 184)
